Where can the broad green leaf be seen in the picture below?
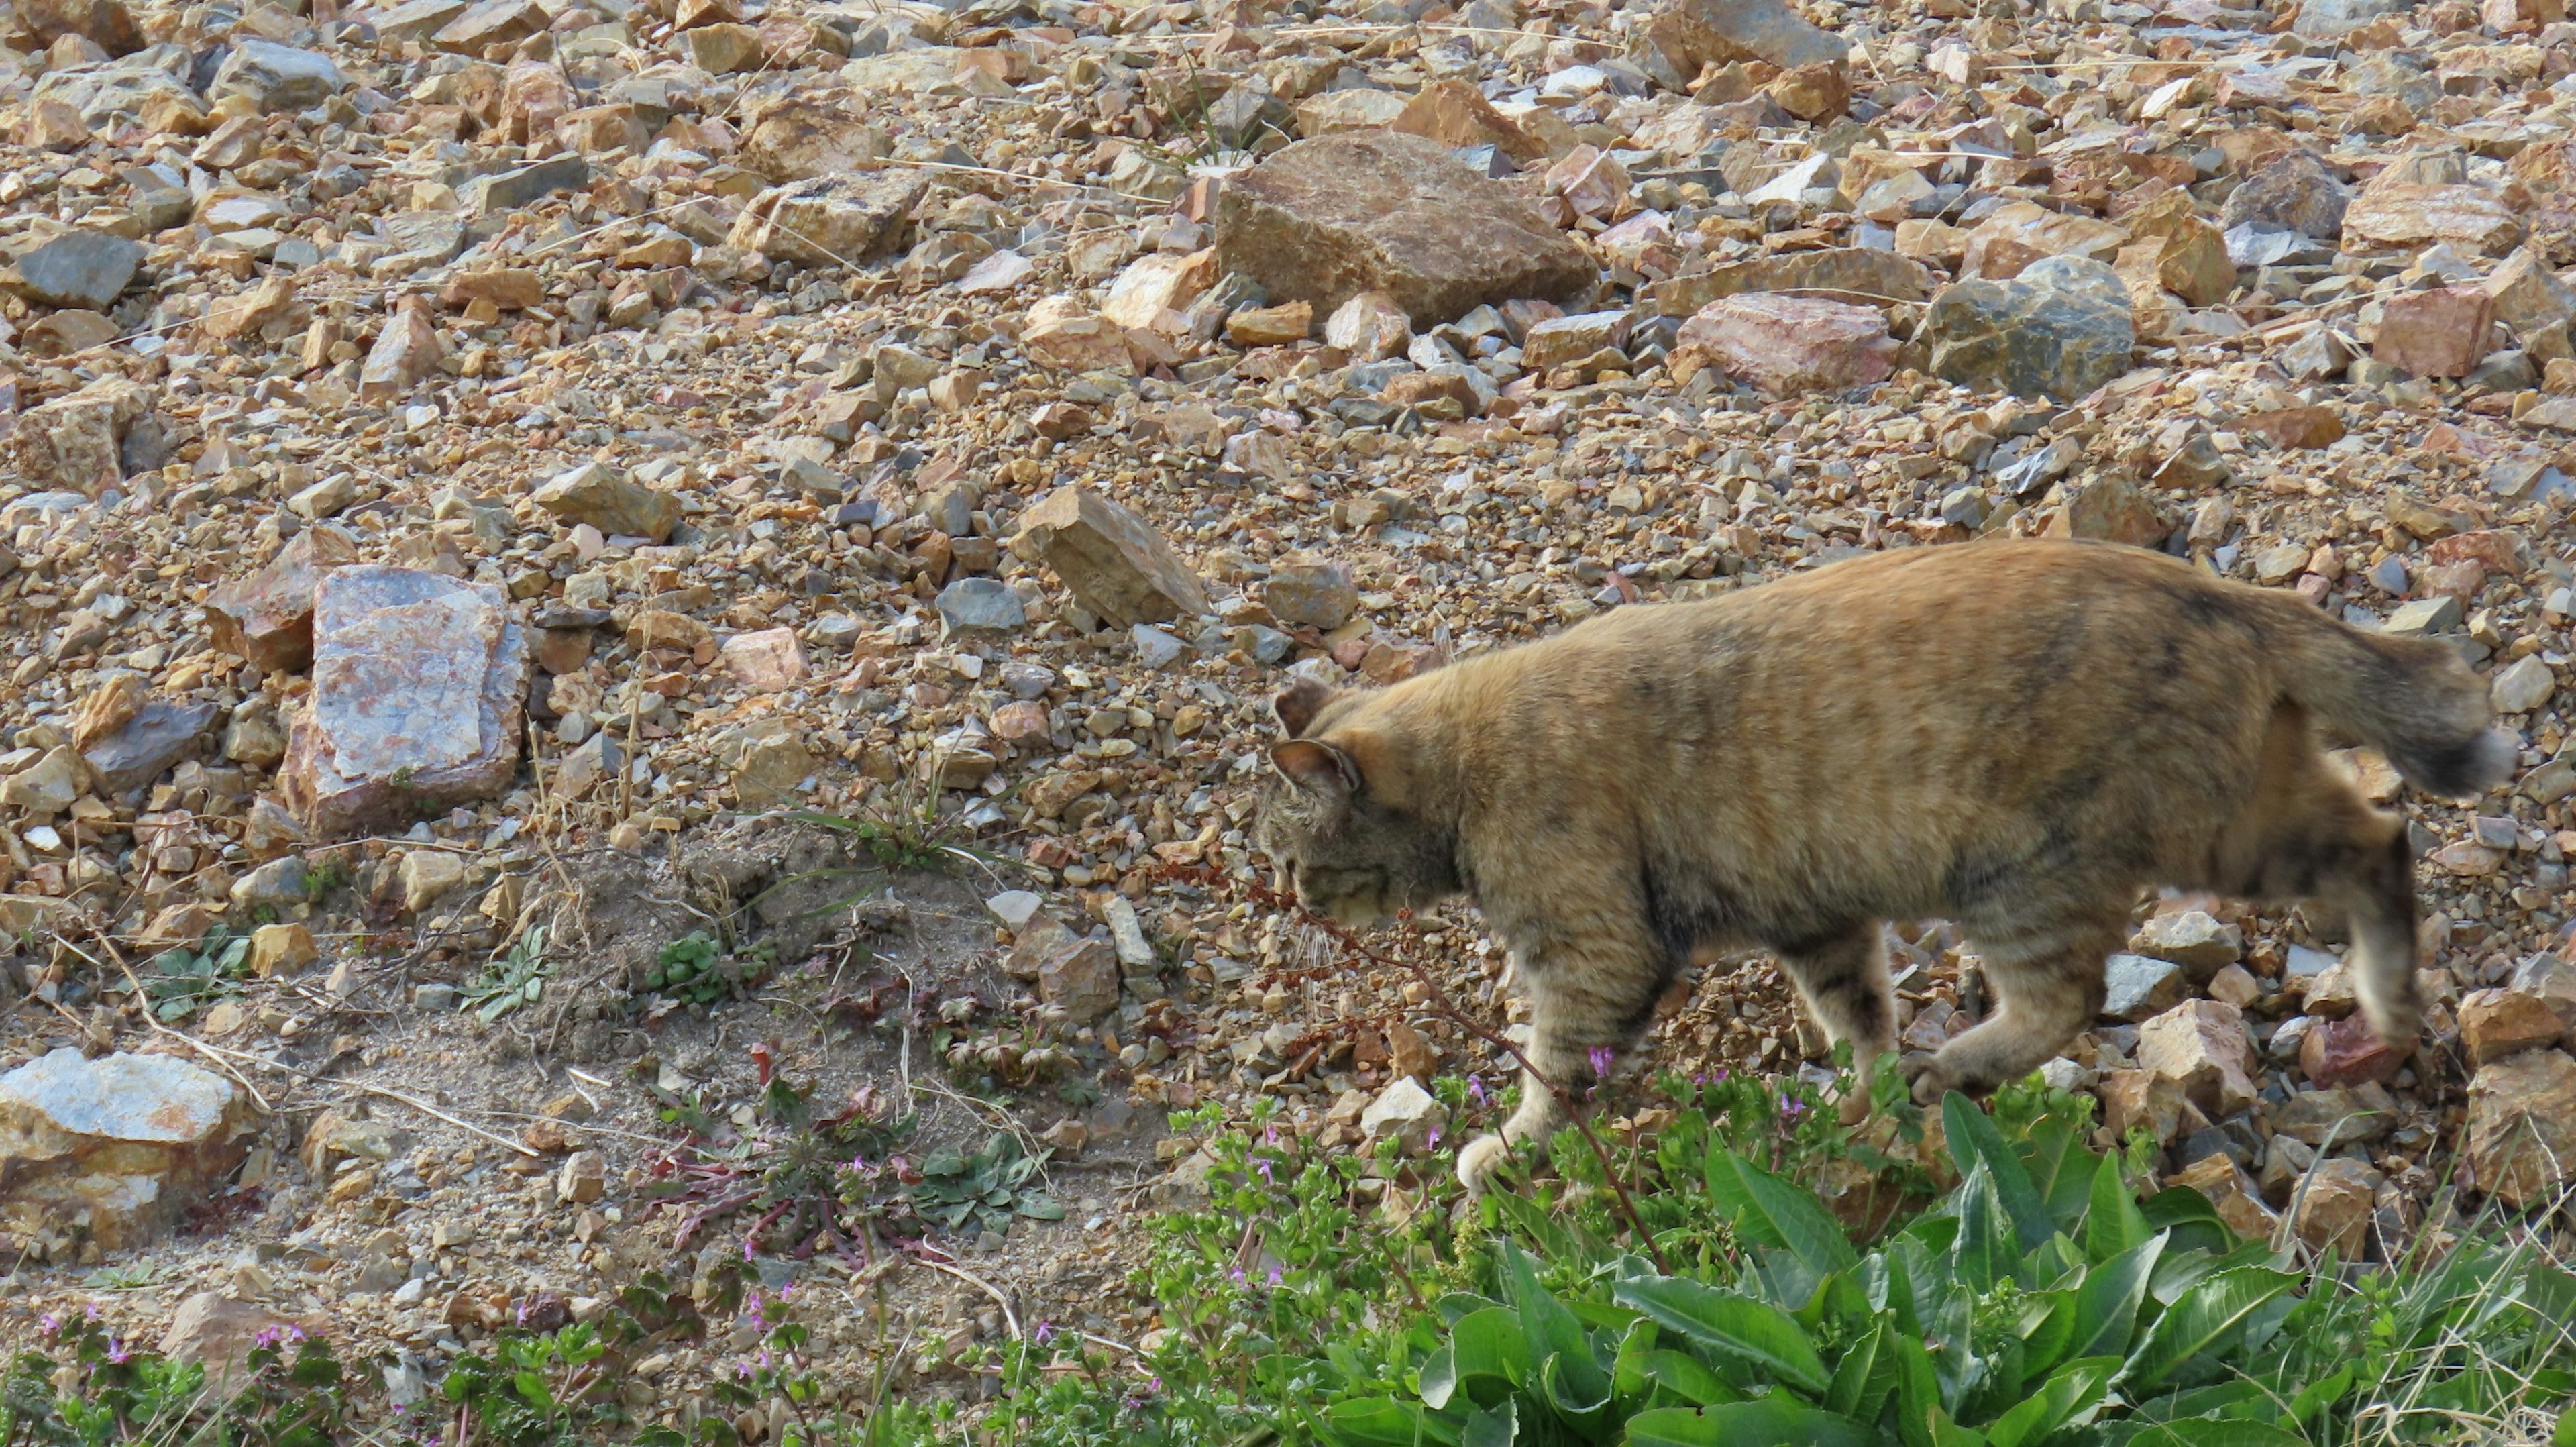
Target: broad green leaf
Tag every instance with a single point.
(1386, 1422)
(2047, 1330)
(1580, 1400)
(2194, 1222)
(1946, 1433)
(1495, 1426)
(2215, 1432)
(1484, 1347)
(1864, 1378)
(1681, 1374)
(2564, 1434)
(2112, 1223)
(1753, 1332)
(2061, 1169)
(2106, 1305)
(1973, 1138)
(1771, 1211)
(2207, 1312)
(1765, 1422)
(2318, 1395)
(1918, 1390)
(1984, 1253)
(2075, 1387)
(1550, 1330)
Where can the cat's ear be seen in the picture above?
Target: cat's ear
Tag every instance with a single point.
(1298, 703)
(1316, 766)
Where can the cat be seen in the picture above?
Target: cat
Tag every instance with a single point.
(2014, 735)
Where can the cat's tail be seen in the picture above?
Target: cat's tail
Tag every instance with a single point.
(2413, 699)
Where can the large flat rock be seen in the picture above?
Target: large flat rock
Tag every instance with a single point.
(109, 1153)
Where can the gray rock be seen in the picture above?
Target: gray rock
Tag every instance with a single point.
(2291, 192)
(2060, 329)
(2332, 19)
(110, 1152)
(523, 185)
(981, 603)
(274, 885)
(1014, 907)
(88, 269)
(2422, 617)
(278, 77)
(424, 237)
(155, 739)
(1314, 591)
(1156, 647)
(2139, 988)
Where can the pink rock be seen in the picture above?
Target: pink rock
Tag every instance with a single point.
(406, 351)
(2439, 333)
(766, 661)
(1790, 344)
(2345, 1052)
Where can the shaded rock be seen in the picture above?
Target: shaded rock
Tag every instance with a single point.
(831, 220)
(419, 681)
(766, 660)
(219, 1333)
(110, 1152)
(2331, 1206)
(2192, 939)
(2022, 232)
(1785, 345)
(2347, 1052)
(2336, 1116)
(2138, 987)
(268, 616)
(1326, 219)
(156, 738)
(406, 351)
(2142, 1100)
(2111, 509)
(1405, 1113)
(2498, 1023)
(2292, 192)
(107, 24)
(1081, 979)
(2054, 331)
(770, 763)
(277, 77)
(1370, 327)
(2438, 333)
(1681, 37)
(1858, 274)
(74, 443)
(2238, 1199)
(2521, 1142)
(79, 268)
(523, 185)
(2470, 217)
(1456, 114)
(1114, 562)
(2201, 1046)
(1304, 588)
(979, 603)
(607, 499)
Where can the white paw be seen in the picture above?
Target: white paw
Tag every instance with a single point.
(1478, 1159)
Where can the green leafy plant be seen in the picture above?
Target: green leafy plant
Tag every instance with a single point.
(695, 969)
(88, 1388)
(517, 979)
(836, 1183)
(533, 1389)
(984, 1191)
(187, 978)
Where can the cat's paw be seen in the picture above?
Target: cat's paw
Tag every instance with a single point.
(1478, 1159)
(1929, 1081)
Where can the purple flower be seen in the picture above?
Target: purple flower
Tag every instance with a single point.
(1603, 1057)
(1433, 1139)
(1791, 1107)
(1262, 1164)
(1044, 1331)
(1275, 1276)
(521, 1315)
(52, 1324)
(1270, 1134)
(746, 1248)
(294, 1332)
(117, 1351)
(1476, 1089)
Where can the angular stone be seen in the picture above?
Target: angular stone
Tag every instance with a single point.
(981, 604)
(276, 77)
(523, 185)
(2498, 1023)
(428, 875)
(2142, 1100)
(155, 739)
(2330, 1206)
(765, 661)
(2336, 1116)
(1858, 274)
(1081, 979)
(236, 318)
(2305, 428)
(2521, 1141)
(2522, 685)
(2021, 232)
(2192, 939)
(268, 616)
(1075, 341)
(419, 681)
(1369, 327)
(2033, 335)
(406, 351)
(2190, 254)
(1682, 37)
(1786, 345)
(109, 1153)
(107, 24)
(1457, 115)
(2292, 192)
(1325, 219)
(607, 499)
(490, 23)
(2529, 297)
(2201, 1046)
(2138, 987)
(75, 443)
(216, 1332)
(2470, 217)
(832, 220)
(48, 786)
(770, 764)
(1348, 110)
(722, 49)
(2238, 1199)
(582, 1179)
(79, 268)
(1405, 1113)
(1282, 325)
(281, 949)
(1114, 562)
(2348, 1052)
(1310, 590)
(1152, 286)
(2111, 509)
(2440, 333)
(2552, 978)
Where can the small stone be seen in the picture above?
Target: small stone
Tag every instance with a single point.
(2110, 508)
(2142, 1100)
(2201, 1046)
(2239, 1201)
(2305, 428)
(1015, 907)
(2138, 987)
(799, 136)
(1682, 37)
(107, 24)
(1081, 979)
(2348, 1052)
(76, 443)
(1153, 286)
(583, 1178)
(2472, 218)
(2522, 686)
(276, 77)
(79, 268)
(2058, 330)
(1114, 562)
(1370, 327)
(765, 661)
(110, 1152)
(771, 764)
(2498, 1023)
(1330, 217)
(1271, 326)
(832, 220)
(1786, 345)
(407, 351)
(149, 744)
(981, 604)
(2331, 1206)
(2293, 192)
(219, 1333)
(1457, 115)
(1156, 647)
(2440, 333)
(278, 950)
(1405, 1113)
(1309, 590)
(2192, 939)
(1408, 1053)
(2521, 1139)
(2336, 1116)
(427, 876)
(607, 499)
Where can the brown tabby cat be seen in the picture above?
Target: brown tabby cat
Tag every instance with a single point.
(2015, 735)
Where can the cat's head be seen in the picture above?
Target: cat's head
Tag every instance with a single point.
(1342, 816)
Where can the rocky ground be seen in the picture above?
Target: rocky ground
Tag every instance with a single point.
(471, 471)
